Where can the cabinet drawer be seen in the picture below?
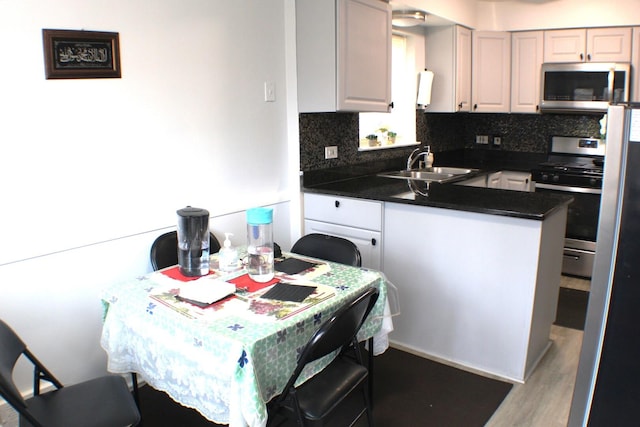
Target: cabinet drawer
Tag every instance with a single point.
(369, 242)
(344, 211)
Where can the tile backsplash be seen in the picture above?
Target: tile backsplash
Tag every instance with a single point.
(523, 133)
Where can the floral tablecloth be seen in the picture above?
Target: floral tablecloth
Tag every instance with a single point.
(228, 360)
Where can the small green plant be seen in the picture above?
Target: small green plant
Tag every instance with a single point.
(372, 137)
(391, 134)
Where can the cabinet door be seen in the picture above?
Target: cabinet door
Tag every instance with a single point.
(588, 45)
(526, 60)
(491, 72)
(520, 181)
(609, 44)
(565, 45)
(634, 93)
(368, 242)
(463, 69)
(448, 55)
(494, 180)
(364, 55)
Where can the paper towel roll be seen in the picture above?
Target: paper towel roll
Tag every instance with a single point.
(424, 87)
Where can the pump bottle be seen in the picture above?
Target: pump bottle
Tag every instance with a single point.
(227, 256)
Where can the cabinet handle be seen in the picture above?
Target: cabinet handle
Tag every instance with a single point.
(588, 57)
(373, 242)
(391, 105)
(337, 203)
(537, 108)
(581, 57)
(475, 106)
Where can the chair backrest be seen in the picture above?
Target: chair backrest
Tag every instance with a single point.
(164, 250)
(11, 348)
(337, 332)
(330, 248)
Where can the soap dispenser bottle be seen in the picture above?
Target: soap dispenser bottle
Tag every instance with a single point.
(227, 256)
(429, 157)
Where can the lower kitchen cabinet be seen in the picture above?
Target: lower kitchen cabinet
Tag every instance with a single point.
(357, 220)
(476, 290)
(510, 180)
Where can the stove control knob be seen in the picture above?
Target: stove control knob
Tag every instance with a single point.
(555, 178)
(545, 177)
(594, 182)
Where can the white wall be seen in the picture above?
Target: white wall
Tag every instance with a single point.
(513, 15)
(93, 170)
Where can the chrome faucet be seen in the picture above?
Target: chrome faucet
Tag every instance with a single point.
(415, 155)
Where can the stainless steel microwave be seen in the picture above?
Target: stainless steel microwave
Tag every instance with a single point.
(583, 87)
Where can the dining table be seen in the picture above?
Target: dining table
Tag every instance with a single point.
(224, 344)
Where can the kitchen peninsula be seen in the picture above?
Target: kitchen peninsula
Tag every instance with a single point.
(477, 269)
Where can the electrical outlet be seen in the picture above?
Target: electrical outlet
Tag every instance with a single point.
(331, 152)
(497, 140)
(482, 139)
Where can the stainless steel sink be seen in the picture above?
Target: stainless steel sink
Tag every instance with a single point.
(434, 174)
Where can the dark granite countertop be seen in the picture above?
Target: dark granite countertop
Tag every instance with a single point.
(519, 204)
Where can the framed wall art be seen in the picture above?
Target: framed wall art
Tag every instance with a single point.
(70, 54)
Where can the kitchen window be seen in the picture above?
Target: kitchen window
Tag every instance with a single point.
(397, 128)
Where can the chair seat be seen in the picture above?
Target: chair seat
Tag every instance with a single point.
(342, 377)
(101, 402)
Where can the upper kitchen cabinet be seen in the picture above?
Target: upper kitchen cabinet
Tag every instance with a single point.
(491, 72)
(448, 55)
(588, 45)
(344, 55)
(526, 62)
(634, 93)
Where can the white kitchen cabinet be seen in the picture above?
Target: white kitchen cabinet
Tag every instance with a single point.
(494, 180)
(526, 61)
(612, 44)
(491, 72)
(510, 180)
(448, 55)
(344, 55)
(634, 93)
(476, 290)
(357, 220)
(519, 181)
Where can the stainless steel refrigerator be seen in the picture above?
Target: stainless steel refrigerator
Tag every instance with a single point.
(607, 389)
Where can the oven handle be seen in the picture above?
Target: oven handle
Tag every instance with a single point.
(569, 189)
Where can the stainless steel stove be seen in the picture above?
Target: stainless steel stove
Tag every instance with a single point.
(575, 167)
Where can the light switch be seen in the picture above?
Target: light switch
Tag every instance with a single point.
(269, 91)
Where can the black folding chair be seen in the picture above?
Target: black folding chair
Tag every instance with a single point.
(330, 248)
(164, 250)
(338, 391)
(101, 402)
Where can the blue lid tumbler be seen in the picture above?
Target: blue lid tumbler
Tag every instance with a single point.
(260, 244)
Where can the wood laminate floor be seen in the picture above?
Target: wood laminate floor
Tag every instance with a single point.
(544, 400)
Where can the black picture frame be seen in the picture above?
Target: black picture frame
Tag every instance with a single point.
(71, 54)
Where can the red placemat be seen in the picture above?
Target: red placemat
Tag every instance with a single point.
(251, 285)
(174, 273)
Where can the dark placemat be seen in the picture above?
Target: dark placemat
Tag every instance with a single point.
(293, 266)
(288, 292)
(572, 308)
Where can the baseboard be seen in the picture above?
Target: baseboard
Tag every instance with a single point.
(451, 363)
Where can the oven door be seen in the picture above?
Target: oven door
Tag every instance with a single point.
(582, 227)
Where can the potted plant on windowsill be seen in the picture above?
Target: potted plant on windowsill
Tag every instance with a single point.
(373, 139)
(391, 137)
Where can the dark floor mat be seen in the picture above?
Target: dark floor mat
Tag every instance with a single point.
(413, 391)
(409, 391)
(572, 308)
